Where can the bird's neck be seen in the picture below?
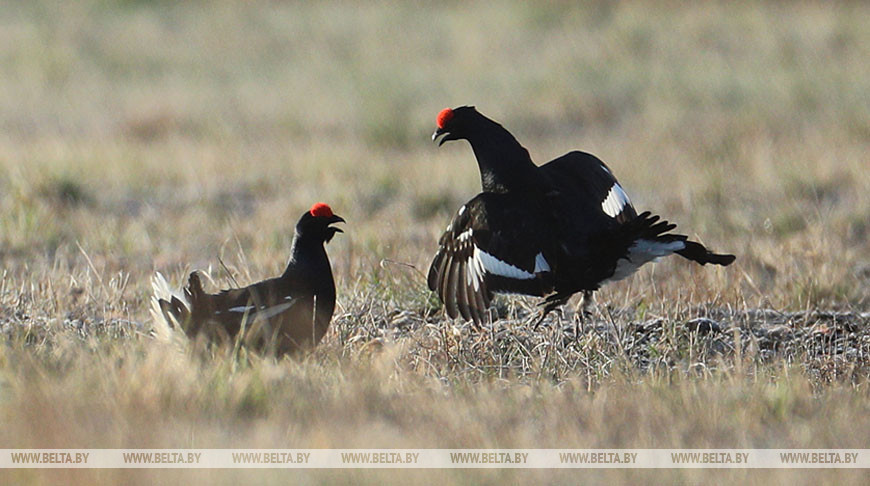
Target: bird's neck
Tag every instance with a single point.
(504, 164)
(308, 254)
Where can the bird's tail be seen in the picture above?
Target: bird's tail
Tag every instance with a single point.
(652, 238)
(168, 308)
(699, 253)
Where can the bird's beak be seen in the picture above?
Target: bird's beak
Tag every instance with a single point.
(336, 219)
(438, 133)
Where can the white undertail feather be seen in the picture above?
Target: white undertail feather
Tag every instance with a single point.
(163, 328)
(641, 252)
(541, 264)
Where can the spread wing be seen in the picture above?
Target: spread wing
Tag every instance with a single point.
(495, 243)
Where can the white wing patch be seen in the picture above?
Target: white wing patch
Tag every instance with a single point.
(497, 267)
(273, 311)
(615, 201)
(481, 263)
(264, 312)
(474, 272)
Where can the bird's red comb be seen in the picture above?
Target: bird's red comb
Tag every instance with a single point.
(444, 117)
(321, 210)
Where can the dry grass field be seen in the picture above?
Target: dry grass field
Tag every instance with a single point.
(138, 136)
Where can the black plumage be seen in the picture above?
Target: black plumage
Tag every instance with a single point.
(550, 231)
(279, 315)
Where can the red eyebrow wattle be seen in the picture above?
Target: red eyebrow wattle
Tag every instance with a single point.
(444, 117)
(321, 210)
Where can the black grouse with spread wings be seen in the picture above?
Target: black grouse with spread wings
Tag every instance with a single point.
(550, 231)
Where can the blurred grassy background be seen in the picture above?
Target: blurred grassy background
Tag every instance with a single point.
(138, 136)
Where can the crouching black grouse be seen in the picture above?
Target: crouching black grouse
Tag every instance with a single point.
(549, 231)
(280, 315)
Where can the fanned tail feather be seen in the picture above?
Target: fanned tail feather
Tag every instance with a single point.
(648, 226)
(168, 307)
(653, 229)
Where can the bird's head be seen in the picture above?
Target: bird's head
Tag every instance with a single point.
(455, 123)
(315, 223)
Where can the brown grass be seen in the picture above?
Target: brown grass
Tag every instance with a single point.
(142, 136)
